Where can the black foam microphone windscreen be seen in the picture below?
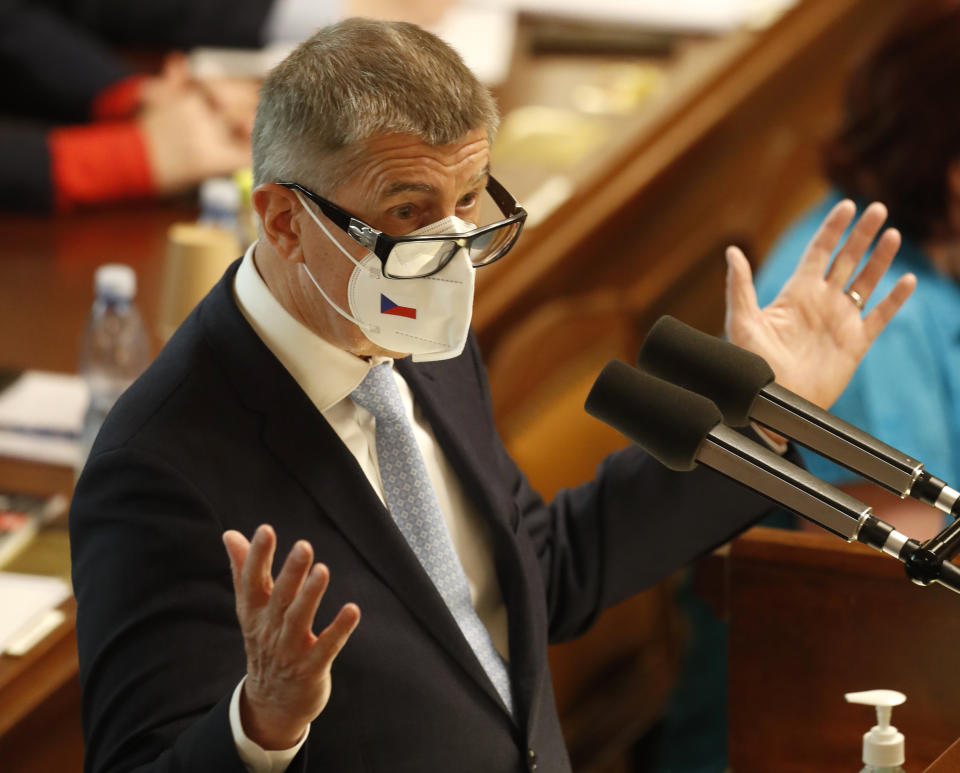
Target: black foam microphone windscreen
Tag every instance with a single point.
(669, 422)
(730, 376)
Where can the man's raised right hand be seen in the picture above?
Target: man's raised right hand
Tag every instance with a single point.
(288, 666)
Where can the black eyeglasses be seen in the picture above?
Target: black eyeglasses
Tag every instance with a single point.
(412, 257)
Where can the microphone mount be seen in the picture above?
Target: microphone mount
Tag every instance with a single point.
(736, 456)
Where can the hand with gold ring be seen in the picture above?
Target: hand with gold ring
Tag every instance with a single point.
(814, 333)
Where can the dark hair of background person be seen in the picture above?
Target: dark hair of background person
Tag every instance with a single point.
(901, 126)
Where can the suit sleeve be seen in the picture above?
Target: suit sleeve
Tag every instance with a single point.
(50, 72)
(628, 528)
(147, 556)
(176, 23)
(49, 68)
(26, 178)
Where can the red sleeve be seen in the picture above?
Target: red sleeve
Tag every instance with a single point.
(118, 100)
(97, 163)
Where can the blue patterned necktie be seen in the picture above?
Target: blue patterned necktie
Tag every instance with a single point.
(413, 504)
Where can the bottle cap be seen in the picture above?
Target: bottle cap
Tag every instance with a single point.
(115, 280)
(219, 194)
(883, 744)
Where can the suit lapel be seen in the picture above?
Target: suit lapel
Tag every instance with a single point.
(458, 424)
(312, 451)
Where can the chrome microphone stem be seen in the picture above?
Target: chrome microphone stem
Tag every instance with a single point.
(783, 411)
(730, 453)
(797, 418)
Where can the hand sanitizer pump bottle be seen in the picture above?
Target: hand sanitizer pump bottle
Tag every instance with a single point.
(883, 743)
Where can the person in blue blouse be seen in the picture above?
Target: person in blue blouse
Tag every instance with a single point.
(899, 143)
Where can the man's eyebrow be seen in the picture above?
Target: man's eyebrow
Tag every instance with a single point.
(485, 172)
(403, 186)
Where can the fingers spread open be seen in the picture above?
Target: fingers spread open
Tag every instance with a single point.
(299, 617)
(334, 636)
(859, 240)
(290, 579)
(883, 312)
(825, 240)
(880, 259)
(741, 295)
(256, 580)
(237, 549)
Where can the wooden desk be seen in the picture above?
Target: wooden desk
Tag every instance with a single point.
(46, 275)
(46, 288)
(40, 705)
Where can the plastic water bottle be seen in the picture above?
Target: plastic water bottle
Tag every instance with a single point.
(220, 207)
(115, 348)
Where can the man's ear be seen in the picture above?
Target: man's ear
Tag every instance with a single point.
(277, 206)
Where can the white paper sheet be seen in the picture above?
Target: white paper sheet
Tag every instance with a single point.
(41, 414)
(25, 600)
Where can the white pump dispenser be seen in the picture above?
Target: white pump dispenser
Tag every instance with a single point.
(883, 743)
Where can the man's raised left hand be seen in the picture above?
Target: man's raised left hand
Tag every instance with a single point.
(813, 333)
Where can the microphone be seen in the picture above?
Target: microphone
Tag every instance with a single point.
(680, 429)
(742, 386)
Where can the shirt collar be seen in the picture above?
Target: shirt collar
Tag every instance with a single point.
(324, 372)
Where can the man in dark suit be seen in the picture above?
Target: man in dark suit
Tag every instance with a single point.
(287, 399)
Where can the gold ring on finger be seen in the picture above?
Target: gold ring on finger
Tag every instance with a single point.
(857, 299)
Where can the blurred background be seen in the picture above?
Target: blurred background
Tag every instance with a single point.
(643, 137)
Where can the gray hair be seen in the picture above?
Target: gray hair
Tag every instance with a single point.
(356, 80)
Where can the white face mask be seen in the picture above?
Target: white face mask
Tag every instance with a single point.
(428, 317)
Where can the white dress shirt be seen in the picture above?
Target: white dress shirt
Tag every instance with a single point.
(328, 375)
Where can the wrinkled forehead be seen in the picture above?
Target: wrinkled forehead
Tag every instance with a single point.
(392, 164)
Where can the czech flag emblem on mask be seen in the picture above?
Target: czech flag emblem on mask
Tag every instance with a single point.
(389, 307)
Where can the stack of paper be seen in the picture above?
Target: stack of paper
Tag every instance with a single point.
(29, 603)
(41, 415)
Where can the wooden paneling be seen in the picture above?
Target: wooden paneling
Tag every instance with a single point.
(734, 159)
